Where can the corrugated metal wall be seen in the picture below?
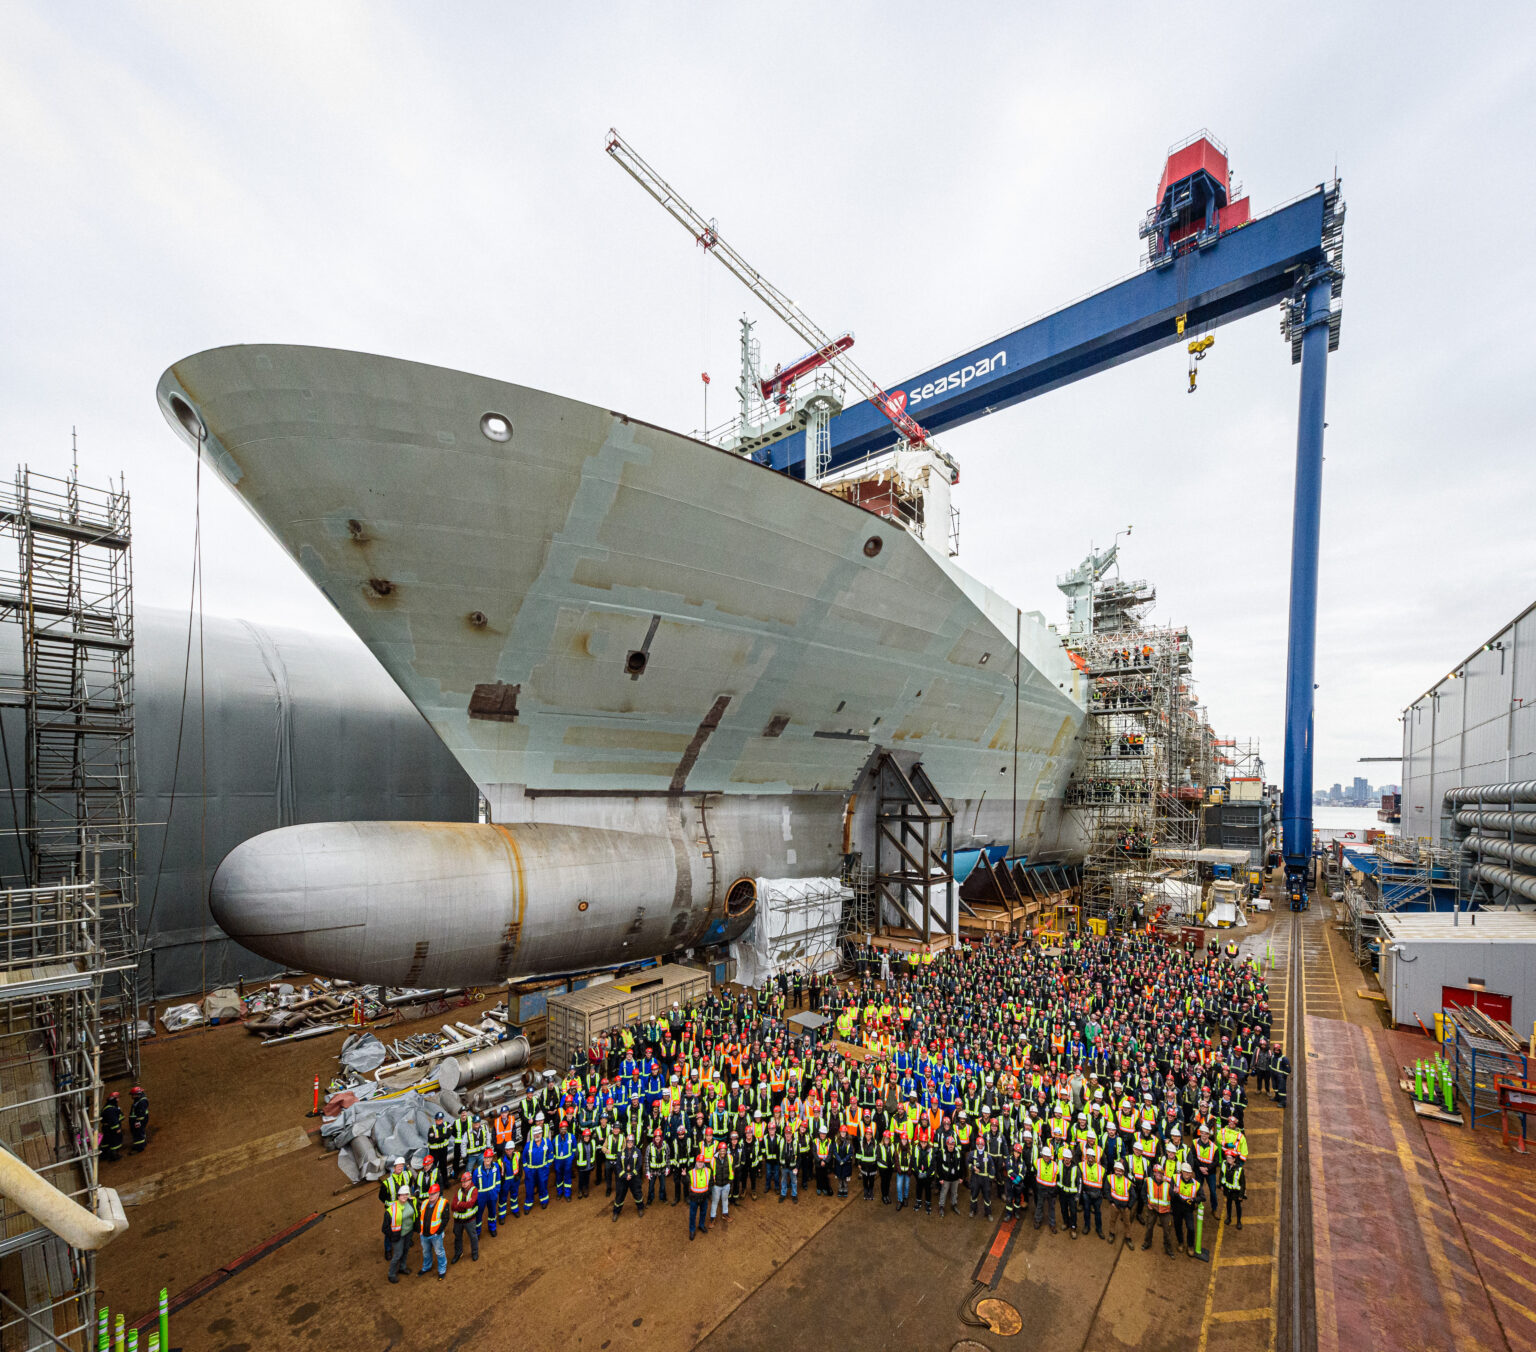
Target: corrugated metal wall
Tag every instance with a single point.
(1477, 726)
(300, 728)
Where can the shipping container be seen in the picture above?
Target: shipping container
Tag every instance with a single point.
(582, 1016)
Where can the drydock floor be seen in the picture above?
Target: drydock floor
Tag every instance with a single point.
(1420, 1238)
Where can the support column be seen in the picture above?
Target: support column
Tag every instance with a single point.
(1301, 663)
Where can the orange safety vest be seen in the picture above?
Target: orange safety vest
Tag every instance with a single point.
(1157, 1193)
(698, 1178)
(432, 1216)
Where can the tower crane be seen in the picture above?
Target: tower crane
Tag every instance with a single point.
(825, 350)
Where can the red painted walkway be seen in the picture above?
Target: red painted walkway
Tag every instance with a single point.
(1406, 1259)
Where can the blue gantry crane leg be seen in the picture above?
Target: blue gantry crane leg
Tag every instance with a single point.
(1306, 530)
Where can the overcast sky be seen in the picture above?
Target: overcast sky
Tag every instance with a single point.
(428, 181)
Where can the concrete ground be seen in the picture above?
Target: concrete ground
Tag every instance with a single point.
(233, 1162)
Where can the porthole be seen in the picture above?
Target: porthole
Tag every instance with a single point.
(873, 546)
(496, 427)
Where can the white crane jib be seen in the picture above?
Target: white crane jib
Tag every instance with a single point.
(827, 350)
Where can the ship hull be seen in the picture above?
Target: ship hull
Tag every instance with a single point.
(613, 625)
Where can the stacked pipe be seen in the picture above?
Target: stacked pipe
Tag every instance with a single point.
(1492, 808)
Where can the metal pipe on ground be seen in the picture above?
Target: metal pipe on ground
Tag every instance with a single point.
(1518, 883)
(1521, 823)
(457, 1072)
(1501, 849)
(60, 1213)
(1523, 791)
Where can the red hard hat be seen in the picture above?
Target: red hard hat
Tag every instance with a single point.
(433, 1189)
(489, 1153)
(137, 1090)
(464, 1177)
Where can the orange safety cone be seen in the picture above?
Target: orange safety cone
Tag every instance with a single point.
(316, 1112)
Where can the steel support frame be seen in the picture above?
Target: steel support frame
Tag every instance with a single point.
(916, 825)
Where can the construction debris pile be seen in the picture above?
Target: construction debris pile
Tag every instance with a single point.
(385, 1096)
(280, 1011)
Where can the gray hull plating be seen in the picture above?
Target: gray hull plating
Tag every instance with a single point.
(617, 627)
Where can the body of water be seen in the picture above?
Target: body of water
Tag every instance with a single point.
(1348, 819)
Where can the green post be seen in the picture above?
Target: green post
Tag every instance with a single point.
(117, 1339)
(1450, 1093)
(133, 1340)
(165, 1320)
(154, 1340)
(1200, 1228)
(103, 1316)
(1418, 1079)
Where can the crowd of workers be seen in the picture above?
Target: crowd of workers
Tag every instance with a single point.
(1109, 1082)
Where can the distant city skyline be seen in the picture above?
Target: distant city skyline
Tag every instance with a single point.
(1361, 793)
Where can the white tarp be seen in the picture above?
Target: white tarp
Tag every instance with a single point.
(1181, 898)
(797, 926)
(1226, 914)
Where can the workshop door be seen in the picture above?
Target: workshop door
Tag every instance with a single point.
(1498, 1007)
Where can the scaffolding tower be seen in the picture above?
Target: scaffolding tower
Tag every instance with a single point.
(1136, 791)
(53, 967)
(72, 596)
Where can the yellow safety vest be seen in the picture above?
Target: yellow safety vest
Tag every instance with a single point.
(698, 1177)
(1119, 1188)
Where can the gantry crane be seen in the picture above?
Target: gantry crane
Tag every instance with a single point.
(825, 350)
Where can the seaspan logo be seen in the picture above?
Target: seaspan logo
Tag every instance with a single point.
(957, 379)
(898, 400)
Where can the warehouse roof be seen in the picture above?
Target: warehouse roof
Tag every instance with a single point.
(1438, 927)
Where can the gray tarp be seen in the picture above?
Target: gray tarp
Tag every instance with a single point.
(363, 1053)
(396, 1126)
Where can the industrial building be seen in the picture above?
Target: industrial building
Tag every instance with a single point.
(1474, 728)
(1434, 960)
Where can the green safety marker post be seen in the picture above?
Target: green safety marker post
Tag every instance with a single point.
(133, 1340)
(1418, 1079)
(1200, 1252)
(103, 1316)
(154, 1340)
(1450, 1094)
(118, 1335)
(165, 1320)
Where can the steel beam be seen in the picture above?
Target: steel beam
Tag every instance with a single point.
(1244, 271)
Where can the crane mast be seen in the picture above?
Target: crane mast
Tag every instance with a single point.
(830, 351)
